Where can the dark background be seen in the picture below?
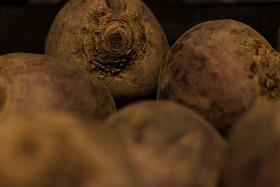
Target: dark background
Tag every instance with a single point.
(24, 25)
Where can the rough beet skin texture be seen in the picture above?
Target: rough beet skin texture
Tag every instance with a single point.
(31, 83)
(253, 155)
(55, 150)
(169, 144)
(220, 68)
(118, 41)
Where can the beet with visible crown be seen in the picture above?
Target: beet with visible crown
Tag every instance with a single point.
(118, 41)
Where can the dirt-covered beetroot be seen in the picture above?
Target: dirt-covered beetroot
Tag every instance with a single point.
(54, 150)
(30, 83)
(118, 41)
(220, 69)
(253, 156)
(169, 144)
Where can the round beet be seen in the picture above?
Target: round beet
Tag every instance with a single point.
(169, 144)
(54, 150)
(118, 41)
(220, 69)
(31, 83)
(253, 157)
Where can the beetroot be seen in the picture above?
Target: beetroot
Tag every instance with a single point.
(169, 144)
(220, 69)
